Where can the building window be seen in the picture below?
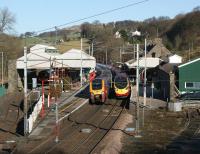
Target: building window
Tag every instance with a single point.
(189, 85)
(192, 85)
(153, 54)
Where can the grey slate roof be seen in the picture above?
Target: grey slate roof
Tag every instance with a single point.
(159, 50)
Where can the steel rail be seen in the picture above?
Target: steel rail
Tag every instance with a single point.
(80, 124)
(101, 128)
(50, 138)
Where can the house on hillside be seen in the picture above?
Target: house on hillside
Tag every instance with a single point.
(162, 74)
(157, 49)
(117, 35)
(189, 76)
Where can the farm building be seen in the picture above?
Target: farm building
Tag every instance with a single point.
(189, 76)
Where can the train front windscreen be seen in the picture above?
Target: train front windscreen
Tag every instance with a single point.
(97, 84)
(121, 82)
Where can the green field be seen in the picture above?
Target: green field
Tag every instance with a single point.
(62, 47)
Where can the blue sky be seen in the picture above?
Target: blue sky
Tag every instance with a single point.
(35, 15)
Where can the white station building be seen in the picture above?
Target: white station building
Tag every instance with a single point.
(43, 57)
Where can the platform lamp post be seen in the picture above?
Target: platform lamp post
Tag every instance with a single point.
(56, 35)
(56, 103)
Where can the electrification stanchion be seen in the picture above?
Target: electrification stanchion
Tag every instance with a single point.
(57, 129)
(145, 80)
(137, 91)
(25, 93)
(56, 110)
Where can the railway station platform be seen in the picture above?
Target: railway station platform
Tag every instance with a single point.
(46, 124)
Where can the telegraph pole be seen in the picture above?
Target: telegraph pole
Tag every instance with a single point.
(92, 49)
(120, 54)
(106, 56)
(89, 51)
(25, 91)
(189, 52)
(2, 69)
(56, 35)
(134, 51)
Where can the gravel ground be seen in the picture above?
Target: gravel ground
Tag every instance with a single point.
(112, 143)
(10, 114)
(157, 129)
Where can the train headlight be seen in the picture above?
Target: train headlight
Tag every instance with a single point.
(91, 94)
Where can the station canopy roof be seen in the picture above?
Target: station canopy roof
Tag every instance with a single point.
(43, 56)
(72, 58)
(150, 62)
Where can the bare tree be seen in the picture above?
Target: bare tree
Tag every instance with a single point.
(7, 19)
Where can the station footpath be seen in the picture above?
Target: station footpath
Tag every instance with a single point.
(45, 123)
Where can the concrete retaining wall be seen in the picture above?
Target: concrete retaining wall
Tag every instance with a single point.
(32, 118)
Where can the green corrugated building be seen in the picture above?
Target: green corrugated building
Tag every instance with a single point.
(189, 76)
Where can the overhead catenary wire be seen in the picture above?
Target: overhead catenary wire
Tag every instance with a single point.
(95, 15)
(25, 55)
(92, 16)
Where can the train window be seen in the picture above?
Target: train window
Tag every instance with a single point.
(97, 84)
(121, 82)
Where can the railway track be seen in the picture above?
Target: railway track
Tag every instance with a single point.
(78, 142)
(69, 107)
(35, 146)
(98, 118)
(63, 111)
(91, 142)
(189, 139)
